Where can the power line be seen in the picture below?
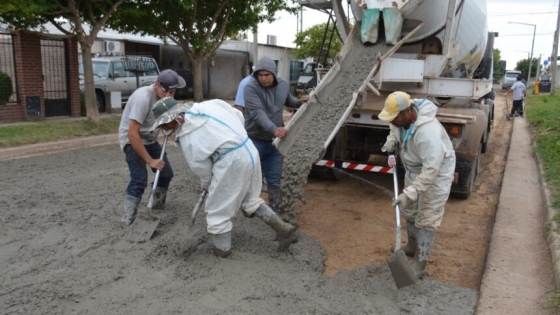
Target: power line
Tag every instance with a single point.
(527, 13)
(526, 34)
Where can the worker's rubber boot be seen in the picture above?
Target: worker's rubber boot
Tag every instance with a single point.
(159, 198)
(423, 250)
(275, 199)
(284, 230)
(410, 248)
(222, 244)
(131, 204)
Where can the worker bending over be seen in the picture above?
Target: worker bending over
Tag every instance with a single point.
(429, 160)
(216, 146)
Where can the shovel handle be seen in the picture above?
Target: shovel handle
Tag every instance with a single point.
(156, 179)
(198, 205)
(397, 209)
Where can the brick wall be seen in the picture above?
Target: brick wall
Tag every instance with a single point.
(29, 72)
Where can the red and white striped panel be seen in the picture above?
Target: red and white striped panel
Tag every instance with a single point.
(357, 167)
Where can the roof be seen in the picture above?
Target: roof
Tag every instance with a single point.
(109, 34)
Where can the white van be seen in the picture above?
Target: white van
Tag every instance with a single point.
(510, 77)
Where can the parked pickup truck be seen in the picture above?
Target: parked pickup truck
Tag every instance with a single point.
(109, 75)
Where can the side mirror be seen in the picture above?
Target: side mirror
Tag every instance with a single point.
(115, 75)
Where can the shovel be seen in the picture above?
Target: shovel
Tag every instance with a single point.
(398, 263)
(188, 241)
(191, 230)
(146, 222)
(508, 116)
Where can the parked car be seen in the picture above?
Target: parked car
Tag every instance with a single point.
(509, 78)
(187, 91)
(109, 75)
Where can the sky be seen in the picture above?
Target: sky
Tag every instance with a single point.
(514, 40)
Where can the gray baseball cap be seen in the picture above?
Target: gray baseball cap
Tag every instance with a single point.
(169, 80)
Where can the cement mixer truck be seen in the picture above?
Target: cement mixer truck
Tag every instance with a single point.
(435, 49)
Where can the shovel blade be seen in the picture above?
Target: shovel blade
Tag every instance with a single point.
(143, 228)
(401, 270)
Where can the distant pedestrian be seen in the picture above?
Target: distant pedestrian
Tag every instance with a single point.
(519, 91)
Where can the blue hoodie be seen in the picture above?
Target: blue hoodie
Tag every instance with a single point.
(264, 105)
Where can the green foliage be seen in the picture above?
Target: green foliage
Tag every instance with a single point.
(198, 26)
(543, 115)
(497, 60)
(29, 133)
(523, 66)
(309, 42)
(6, 88)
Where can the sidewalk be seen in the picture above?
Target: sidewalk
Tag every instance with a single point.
(519, 272)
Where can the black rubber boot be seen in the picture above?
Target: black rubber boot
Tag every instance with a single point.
(130, 209)
(222, 244)
(284, 231)
(159, 198)
(423, 250)
(410, 248)
(275, 199)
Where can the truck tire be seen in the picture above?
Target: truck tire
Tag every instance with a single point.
(326, 173)
(473, 172)
(100, 101)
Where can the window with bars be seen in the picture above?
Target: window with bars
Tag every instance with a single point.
(8, 93)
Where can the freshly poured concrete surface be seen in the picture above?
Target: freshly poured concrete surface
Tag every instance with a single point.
(63, 252)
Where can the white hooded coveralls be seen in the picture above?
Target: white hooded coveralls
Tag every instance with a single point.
(217, 149)
(429, 159)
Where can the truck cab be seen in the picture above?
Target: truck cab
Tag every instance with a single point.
(308, 78)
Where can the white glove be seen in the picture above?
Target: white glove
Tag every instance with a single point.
(204, 185)
(402, 201)
(392, 161)
(389, 146)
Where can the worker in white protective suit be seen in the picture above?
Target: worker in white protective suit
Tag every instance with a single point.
(429, 160)
(216, 146)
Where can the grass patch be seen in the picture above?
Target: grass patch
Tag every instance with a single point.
(29, 133)
(543, 115)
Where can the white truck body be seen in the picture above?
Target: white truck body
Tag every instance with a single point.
(441, 54)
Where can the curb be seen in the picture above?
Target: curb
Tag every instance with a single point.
(553, 238)
(56, 147)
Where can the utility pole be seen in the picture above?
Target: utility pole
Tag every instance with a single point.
(554, 56)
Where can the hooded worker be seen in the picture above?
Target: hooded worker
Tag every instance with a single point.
(429, 160)
(265, 96)
(218, 150)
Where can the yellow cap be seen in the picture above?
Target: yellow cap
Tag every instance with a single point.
(395, 102)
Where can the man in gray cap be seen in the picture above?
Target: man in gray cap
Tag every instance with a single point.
(140, 146)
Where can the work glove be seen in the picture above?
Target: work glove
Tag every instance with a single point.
(402, 201)
(204, 185)
(389, 146)
(392, 161)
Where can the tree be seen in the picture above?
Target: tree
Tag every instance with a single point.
(497, 62)
(70, 17)
(197, 26)
(309, 42)
(523, 66)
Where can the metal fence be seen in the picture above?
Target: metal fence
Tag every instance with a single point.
(7, 62)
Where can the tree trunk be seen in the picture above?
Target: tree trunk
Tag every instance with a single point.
(197, 79)
(92, 111)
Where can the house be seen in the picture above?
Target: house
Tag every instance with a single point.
(28, 57)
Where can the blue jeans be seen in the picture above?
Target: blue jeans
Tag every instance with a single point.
(139, 171)
(271, 162)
